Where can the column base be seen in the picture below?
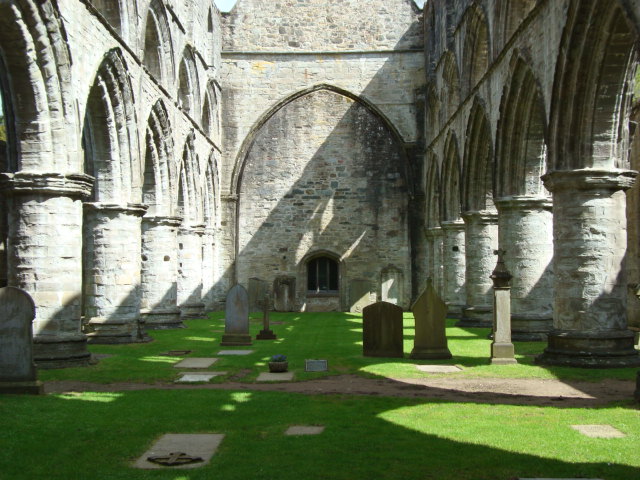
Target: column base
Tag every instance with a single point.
(192, 311)
(159, 319)
(526, 328)
(22, 388)
(610, 349)
(476, 317)
(103, 331)
(455, 310)
(236, 340)
(51, 352)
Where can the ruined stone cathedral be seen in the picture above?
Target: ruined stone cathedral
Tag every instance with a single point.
(328, 153)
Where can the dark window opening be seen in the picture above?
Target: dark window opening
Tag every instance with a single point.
(322, 275)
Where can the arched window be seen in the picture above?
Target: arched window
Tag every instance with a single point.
(322, 275)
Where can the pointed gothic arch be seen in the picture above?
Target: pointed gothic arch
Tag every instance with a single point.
(478, 171)
(448, 85)
(159, 163)
(450, 209)
(476, 48)
(188, 84)
(157, 46)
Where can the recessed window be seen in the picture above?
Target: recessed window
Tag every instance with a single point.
(322, 275)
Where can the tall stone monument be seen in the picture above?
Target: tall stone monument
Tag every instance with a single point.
(382, 333)
(17, 370)
(236, 323)
(430, 313)
(502, 351)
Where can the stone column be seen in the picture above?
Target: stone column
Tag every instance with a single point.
(112, 291)
(159, 305)
(436, 271)
(481, 242)
(526, 235)
(190, 271)
(589, 234)
(44, 258)
(453, 251)
(208, 266)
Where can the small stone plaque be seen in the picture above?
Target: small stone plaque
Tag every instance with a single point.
(195, 363)
(316, 366)
(235, 352)
(193, 377)
(304, 430)
(438, 368)
(194, 445)
(275, 377)
(599, 431)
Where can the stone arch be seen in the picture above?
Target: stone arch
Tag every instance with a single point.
(211, 190)
(211, 113)
(476, 45)
(248, 142)
(188, 84)
(432, 192)
(451, 180)
(521, 138)
(109, 134)
(210, 35)
(119, 14)
(159, 161)
(157, 46)
(35, 78)
(592, 87)
(478, 162)
(449, 88)
(189, 192)
(509, 16)
(433, 111)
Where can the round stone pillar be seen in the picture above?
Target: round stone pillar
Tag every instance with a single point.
(454, 259)
(435, 240)
(190, 271)
(526, 235)
(481, 243)
(159, 305)
(208, 268)
(44, 245)
(589, 233)
(112, 272)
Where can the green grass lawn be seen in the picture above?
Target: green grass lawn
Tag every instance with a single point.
(99, 435)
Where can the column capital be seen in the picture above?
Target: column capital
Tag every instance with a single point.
(453, 225)
(589, 179)
(486, 217)
(162, 221)
(196, 229)
(133, 209)
(47, 183)
(523, 202)
(433, 232)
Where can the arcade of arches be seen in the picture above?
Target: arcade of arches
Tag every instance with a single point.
(328, 153)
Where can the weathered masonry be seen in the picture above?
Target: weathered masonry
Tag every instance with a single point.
(329, 153)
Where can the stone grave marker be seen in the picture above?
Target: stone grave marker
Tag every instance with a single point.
(284, 293)
(266, 333)
(275, 377)
(430, 313)
(195, 363)
(194, 377)
(256, 291)
(382, 332)
(360, 295)
(316, 365)
(17, 370)
(235, 352)
(502, 351)
(236, 322)
(599, 431)
(304, 430)
(176, 446)
(438, 368)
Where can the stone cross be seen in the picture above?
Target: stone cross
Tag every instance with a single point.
(502, 351)
(17, 370)
(236, 322)
(265, 333)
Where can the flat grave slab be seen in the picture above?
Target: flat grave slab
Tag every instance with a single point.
(195, 363)
(438, 368)
(192, 377)
(175, 353)
(304, 430)
(599, 431)
(202, 445)
(275, 377)
(235, 352)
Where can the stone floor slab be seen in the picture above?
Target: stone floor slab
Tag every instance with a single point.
(195, 445)
(196, 363)
(438, 368)
(192, 377)
(275, 377)
(599, 431)
(235, 352)
(304, 430)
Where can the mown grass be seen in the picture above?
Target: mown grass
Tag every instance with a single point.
(90, 435)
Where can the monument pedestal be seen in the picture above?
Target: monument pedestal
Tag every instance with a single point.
(235, 340)
(266, 335)
(22, 388)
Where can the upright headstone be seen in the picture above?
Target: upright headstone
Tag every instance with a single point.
(236, 323)
(391, 284)
(17, 370)
(430, 313)
(382, 331)
(502, 351)
(284, 294)
(257, 290)
(360, 295)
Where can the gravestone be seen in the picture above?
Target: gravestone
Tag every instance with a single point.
(391, 283)
(17, 370)
(266, 333)
(360, 295)
(382, 330)
(284, 294)
(430, 313)
(502, 351)
(236, 322)
(257, 290)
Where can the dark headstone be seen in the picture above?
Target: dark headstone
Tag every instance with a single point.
(382, 330)
(266, 333)
(430, 313)
(257, 290)
(236, 322)
(284, 294)
(361, 295)
(17, 370)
